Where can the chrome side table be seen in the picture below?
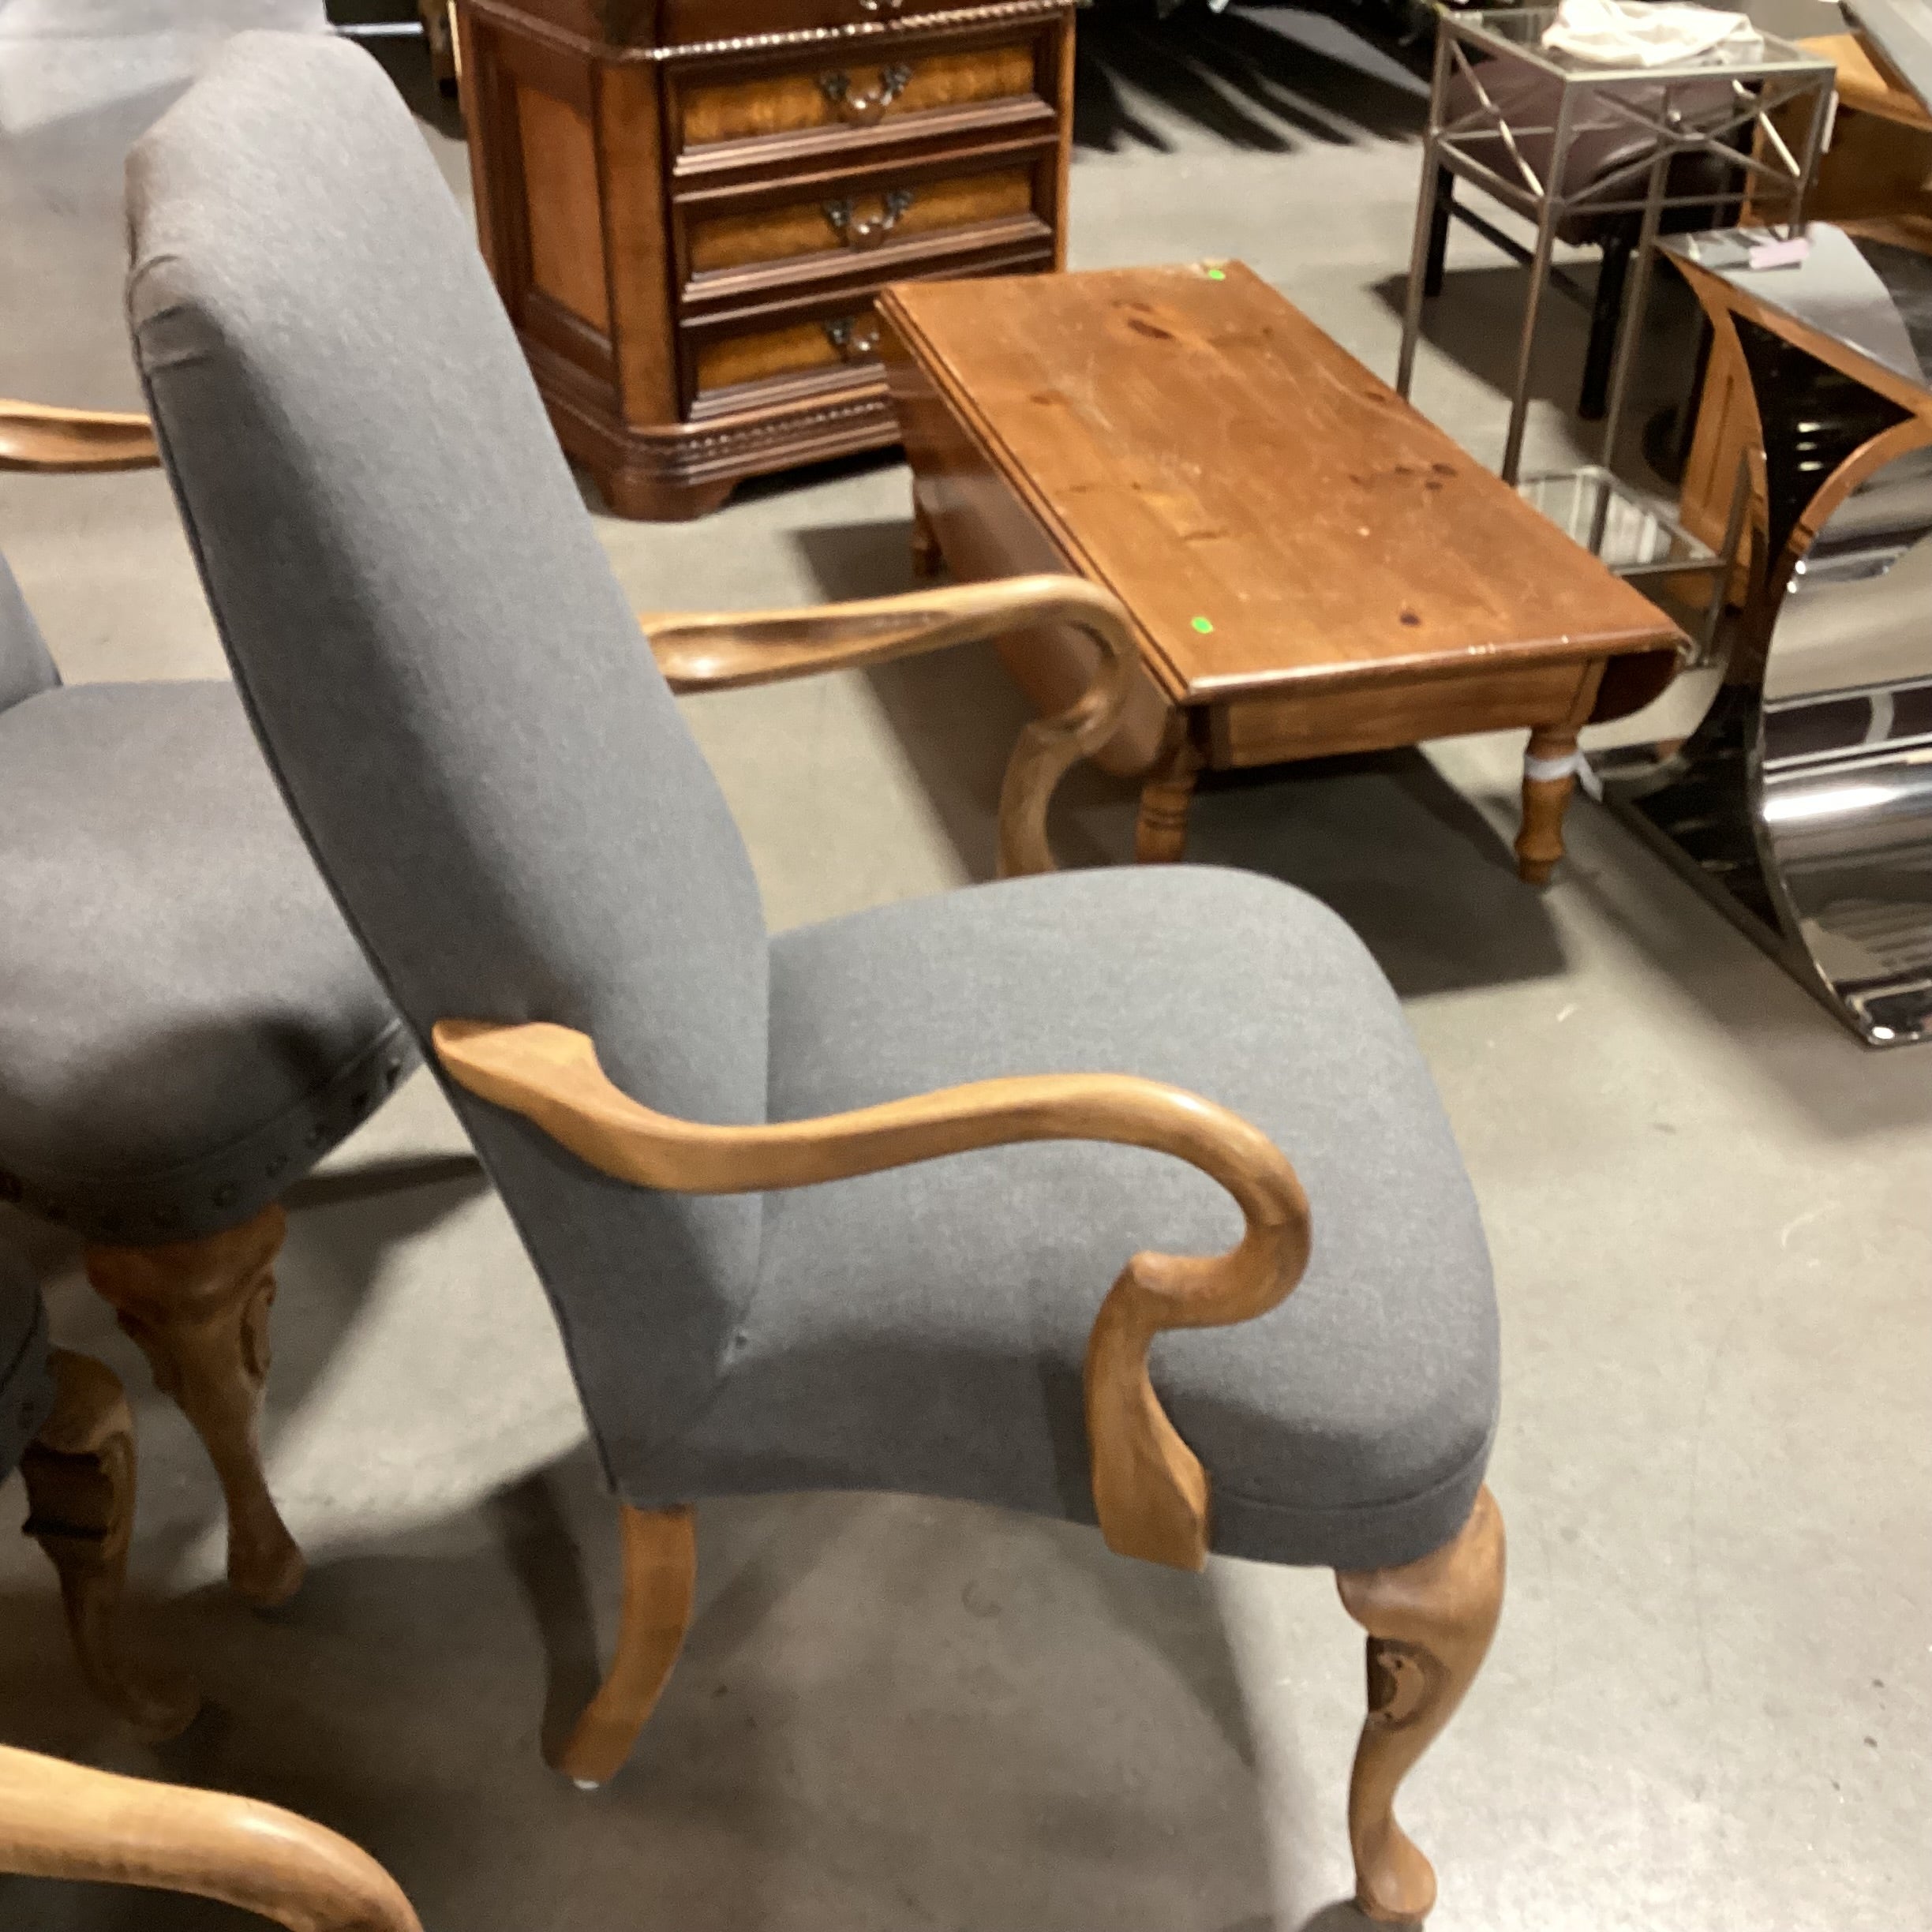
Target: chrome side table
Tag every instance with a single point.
(1801, 804)
(1674, 108)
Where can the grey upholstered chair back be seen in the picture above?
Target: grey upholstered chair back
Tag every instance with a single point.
(452, 689)
(26, 665)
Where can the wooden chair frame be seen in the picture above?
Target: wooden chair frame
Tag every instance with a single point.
(79, 1470)
(66, 1821)
(1429, 1623)
(35, 435)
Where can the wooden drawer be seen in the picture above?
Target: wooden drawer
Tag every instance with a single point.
(1379, 717)
(836, 90)
(849, 338)
(870, 218)
(745, 358)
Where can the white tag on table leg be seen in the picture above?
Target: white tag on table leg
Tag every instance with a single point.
(1573, 764)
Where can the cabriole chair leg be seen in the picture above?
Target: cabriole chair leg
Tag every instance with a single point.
(1429, 1624)
(199, 1310)
(660, 1575)
(79, 1475)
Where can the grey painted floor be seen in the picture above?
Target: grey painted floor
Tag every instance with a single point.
(1708, 1708)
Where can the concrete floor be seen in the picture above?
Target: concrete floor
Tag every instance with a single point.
(1709, 1705)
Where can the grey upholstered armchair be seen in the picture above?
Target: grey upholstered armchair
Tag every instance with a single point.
(185, 1026)
(836, 1209)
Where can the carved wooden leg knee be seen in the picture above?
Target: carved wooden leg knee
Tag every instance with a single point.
(80, 1474)
(660, 1573)
(199, 1310)
(1429, 1625)
(1540, 843)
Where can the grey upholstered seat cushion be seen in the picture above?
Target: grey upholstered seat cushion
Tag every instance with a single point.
(26, 1387)
(186, 1024)
(922, 1330)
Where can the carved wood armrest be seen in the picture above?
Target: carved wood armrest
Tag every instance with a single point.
(66, 1821)
(34, 435)
(723, 650)
(1149, 1490)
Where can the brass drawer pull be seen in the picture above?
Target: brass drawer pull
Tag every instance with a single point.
(853, 340)
(865, 108)
(869, 231)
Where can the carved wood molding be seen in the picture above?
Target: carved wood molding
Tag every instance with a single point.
(723, 650)
(1151, 1492)
(66, 1821)
(34, 436)
(619, 20)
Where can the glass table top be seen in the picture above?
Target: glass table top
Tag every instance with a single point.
(1518, 31)
(1873, 296)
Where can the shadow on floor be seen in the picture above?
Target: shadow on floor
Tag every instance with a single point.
(1476, 322)
(405, 59)
(1790, 1043)
(1268, 79)
(887, 1713)
(1408, 861)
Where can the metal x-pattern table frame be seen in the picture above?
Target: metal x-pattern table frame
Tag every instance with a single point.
(1765, 164)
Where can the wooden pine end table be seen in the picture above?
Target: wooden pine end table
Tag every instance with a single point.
(1312, 567)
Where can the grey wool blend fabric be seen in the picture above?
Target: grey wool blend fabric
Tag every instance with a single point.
(185, 1025)
(496, 782)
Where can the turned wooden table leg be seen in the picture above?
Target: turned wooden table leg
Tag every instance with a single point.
(928, 559)
(79, 1475)
(1549, 777)
(1160, 832)
(660, 1576)
(1429, 1625)
(199, 1310)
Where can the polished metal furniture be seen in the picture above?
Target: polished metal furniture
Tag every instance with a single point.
(1802, 803)
(835, 1209)
(1520, 144)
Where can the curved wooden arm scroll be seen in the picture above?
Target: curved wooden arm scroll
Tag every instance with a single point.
(1149, 1490)
(66, 1821)
(34, 436)
(725, 650)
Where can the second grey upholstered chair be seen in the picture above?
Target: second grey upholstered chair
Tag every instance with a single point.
(65, 1424)
(788, 1196)
(185, 1026)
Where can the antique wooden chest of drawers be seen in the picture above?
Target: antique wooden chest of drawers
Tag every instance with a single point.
(689, 206)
